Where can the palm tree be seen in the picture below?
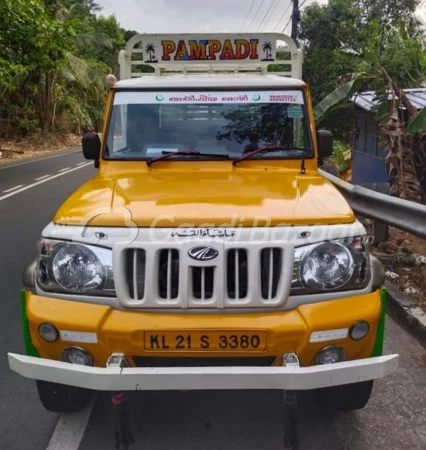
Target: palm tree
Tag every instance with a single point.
(150, 49)
(267, 48)
(77, 82)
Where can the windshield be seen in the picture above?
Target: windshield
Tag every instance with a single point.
(144, 125)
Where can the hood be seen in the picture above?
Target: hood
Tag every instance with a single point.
(201, 198)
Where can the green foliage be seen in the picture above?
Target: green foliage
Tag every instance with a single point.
(394, 47)
(338, 97)
(325, 26)
(388, 58)
(29, 40)
(54, 56)
(340, 156)
(392, 58)
(418, 124)
(387, 10)
(281, 56)
(322, 29)
(352, 37)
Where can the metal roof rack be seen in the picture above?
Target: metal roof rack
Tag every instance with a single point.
(250, 53)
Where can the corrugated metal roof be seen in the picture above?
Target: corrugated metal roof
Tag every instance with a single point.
(365, 100)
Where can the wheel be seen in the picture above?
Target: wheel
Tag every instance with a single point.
(61, 398)
(348, 397)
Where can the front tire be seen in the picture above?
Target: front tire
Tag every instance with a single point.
(348, 397)
(61, 398)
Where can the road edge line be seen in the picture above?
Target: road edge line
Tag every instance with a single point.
(4, 197)
(63, 152)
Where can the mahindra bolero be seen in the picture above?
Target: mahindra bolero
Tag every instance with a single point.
(208, 252)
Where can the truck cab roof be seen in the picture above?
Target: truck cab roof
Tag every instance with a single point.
(209, 81)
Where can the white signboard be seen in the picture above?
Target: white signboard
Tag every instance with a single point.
(204, 49)
(294, 97)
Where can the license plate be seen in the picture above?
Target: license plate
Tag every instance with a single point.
(205, 341)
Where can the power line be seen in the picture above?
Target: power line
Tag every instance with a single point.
(282, 17)
(268, 10)
(245, 20)
(287, 24)
(257, 12)
(271, 11)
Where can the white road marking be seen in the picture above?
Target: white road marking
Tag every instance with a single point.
(42, 178)
(80, 164)
(39, 159)
(63, 170)
(42, 181)
(70, 429)
(14, 188)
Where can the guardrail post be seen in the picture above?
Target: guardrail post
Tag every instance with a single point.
(380, 229)
(330, 168)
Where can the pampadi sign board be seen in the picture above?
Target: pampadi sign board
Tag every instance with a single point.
(163, 49)
(202, 52)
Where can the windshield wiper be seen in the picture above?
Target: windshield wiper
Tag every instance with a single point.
(271, 148)
(167, 154)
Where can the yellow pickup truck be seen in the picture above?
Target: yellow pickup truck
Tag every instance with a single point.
(208, 252)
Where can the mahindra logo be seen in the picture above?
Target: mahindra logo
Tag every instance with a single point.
(203, 253)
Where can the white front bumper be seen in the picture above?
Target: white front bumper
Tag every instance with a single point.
(203, 378)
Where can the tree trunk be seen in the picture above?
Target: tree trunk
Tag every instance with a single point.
(412, 111)
(401, 149)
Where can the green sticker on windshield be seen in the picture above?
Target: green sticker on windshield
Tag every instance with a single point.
(295, 111)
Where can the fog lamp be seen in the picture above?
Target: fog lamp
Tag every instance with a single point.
(48, 332)
(76, 355)
(330, 355)
(359, 330)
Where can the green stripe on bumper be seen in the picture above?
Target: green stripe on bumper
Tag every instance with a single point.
(378, 346)
(29, 347)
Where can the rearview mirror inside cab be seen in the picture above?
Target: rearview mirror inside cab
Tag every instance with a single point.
(91, 146)
(325, 143)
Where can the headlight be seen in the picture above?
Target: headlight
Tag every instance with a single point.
(327, 266)
(77, 268)
(331, 266)
(67, 267)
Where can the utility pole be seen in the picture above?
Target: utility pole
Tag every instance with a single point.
(295, 19)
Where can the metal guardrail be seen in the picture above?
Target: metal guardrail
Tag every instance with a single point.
(401, 214)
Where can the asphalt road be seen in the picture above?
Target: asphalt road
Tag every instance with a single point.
(24, 424)
(394, 419)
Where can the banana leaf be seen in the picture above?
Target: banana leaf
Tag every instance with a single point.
(338, 97)
(418, 124)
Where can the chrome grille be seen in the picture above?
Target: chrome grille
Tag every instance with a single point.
(237, 274)
(270, 271)
(135, 273)
(202, 282)
(168, 274)
(242, 275)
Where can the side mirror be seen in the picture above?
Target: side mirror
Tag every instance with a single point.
(91, 146)
(325, 143)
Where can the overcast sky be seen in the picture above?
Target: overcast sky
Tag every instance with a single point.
(177, 16)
